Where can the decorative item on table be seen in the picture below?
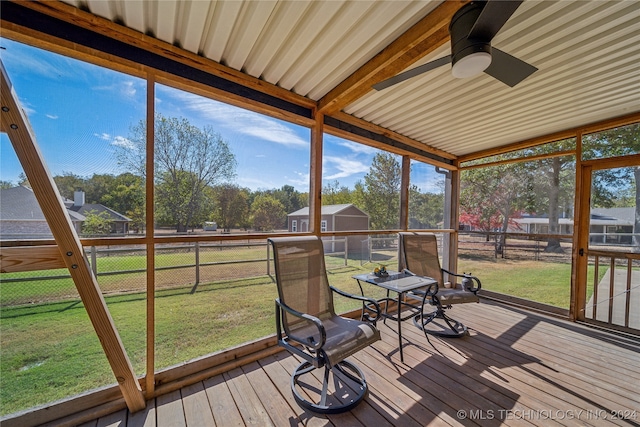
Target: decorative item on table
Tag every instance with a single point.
(381, 271)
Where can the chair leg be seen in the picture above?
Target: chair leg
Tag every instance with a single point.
(451, 328)
(349, 383)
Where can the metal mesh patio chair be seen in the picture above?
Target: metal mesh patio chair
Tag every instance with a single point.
(420, 254)
(307, 326)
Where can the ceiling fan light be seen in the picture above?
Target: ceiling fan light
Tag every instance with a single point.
(471, 65)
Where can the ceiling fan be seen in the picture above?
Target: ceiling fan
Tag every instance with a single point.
(472, 28)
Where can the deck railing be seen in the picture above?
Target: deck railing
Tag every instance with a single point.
(615, 291)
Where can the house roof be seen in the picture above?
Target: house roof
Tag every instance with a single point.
(328, 210)
(626, 215)
(20, 204)
(330, 53)
(599, 216)
(97, 208)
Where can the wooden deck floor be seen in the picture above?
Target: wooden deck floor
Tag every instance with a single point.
(516, 368)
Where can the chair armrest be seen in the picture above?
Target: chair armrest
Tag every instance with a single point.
(365, 300)
(474, 289)
(317, 322)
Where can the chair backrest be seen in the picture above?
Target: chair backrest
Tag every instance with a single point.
(420, 254)
(302, 278)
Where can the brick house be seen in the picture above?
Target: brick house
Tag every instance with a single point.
(22, 218)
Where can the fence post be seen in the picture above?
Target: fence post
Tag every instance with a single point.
(346, 249)
(197, 263)
(94, 264)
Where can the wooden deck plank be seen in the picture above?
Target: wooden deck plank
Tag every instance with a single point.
(275, 404)
(169, 410)
(455, 389)
(555, 386)
(248, 402)
(589, 379)
(290, 363)
(516, 368)
(117, 419)
(280, 378)
(197, 411)
(494, 385)
(144, 418)
(224, 409)
(385, 380)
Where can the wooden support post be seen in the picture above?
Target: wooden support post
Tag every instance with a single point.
(404, 193)
(315, 188)
(150, 377)
(15, 124)
(451, 215)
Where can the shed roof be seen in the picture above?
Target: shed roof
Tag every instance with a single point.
(329, 210)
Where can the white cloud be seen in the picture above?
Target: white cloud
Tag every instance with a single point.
(128, 88)
(116, 141)
(345, 167)
(241, 121)
(52, 116)
(121, 141)
(302, 179)
(125, 88)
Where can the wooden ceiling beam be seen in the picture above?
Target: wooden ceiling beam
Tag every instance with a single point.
(424, 37)
(553, 137)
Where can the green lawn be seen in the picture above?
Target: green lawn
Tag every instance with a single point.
(49, 351)
(544, 282)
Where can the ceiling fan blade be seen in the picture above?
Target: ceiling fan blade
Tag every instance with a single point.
(492, 18)
(508, 69)
(412, 73)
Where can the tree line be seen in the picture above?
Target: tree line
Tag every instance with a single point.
(194, 170)
(493, 196)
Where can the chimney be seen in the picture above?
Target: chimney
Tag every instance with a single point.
(78, 198)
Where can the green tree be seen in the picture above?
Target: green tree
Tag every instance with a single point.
(335, 194)
(128, 198)
(98, 186)
(6, 184)
(621, 141)
(231, 206)
(551, 185)
(291, 199)
(187, 161)
(426, 210)
(382, 192)
(267, 213)
(491, 197)
(68, 183)
(97, 223)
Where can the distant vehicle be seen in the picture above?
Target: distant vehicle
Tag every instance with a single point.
(210, 226)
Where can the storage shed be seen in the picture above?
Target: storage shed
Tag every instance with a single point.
(345, 217)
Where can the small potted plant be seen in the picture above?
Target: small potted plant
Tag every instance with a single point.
(381, 271)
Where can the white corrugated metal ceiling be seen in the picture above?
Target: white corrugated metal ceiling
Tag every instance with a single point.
(587, 52)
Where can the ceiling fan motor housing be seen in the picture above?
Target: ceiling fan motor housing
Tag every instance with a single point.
(461, 45)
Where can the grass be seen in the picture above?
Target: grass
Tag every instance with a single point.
(49, 351)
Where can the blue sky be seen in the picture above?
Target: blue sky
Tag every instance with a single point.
(80, 113)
